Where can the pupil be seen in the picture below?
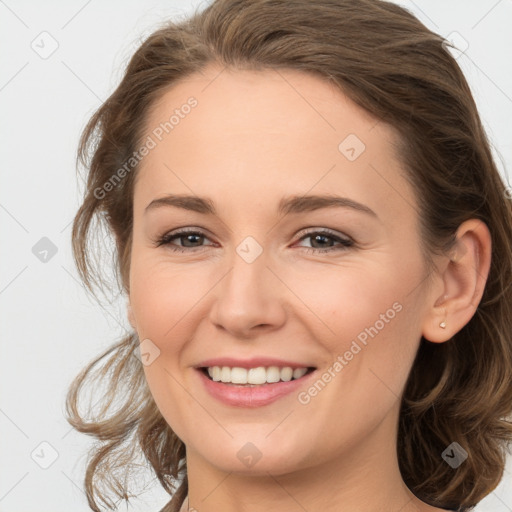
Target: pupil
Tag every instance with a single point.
(320, 237)
(187, 237)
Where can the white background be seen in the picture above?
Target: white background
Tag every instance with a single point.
(50, 328)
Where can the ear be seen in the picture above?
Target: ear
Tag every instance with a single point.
(463, 277)
(131, 318)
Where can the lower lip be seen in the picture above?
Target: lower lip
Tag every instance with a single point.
(251, 396)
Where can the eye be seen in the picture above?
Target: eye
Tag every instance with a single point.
(191, 239)
(322, 238)
(189, 236)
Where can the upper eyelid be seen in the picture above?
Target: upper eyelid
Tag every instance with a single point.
(303, 233)
(327, 231)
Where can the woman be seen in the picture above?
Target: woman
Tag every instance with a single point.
(315, 245)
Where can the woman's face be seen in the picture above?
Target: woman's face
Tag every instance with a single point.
(255, 157)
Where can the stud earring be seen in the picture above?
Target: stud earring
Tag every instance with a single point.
(442, 325)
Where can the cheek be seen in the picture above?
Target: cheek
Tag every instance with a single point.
(169, 302)
(369, 355)
(163, 297)
(351, 301)
(166, 302)
(175, 404)
(367, 321)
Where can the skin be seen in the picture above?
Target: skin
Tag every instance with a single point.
(254, 138)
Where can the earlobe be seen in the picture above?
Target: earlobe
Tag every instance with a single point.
(437, 328)
(463, 279)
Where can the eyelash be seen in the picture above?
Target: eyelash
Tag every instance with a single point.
(344, 243)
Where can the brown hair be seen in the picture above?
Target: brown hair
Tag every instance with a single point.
(390, 64)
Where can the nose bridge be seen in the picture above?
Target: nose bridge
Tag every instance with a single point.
(249, 295)
(249, 269)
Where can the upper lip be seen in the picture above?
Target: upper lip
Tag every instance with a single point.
(254, 362)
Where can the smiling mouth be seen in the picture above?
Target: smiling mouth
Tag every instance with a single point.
(260, 376)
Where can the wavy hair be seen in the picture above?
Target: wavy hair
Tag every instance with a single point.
(386, 61)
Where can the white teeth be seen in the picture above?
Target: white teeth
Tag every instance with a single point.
(225, 374)
(215, 374)
(238, 375)
(255, 376)
(273, 374)
(299, 372)
(287, 373)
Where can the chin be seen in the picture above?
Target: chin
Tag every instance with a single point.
(257, 457)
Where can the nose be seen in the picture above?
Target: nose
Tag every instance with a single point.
(249, 299)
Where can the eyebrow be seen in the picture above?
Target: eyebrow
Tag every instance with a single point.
(288, 205)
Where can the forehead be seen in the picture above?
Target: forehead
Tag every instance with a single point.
(265, 102)
(265, 132)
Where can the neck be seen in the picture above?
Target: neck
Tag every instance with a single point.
(367, 477)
